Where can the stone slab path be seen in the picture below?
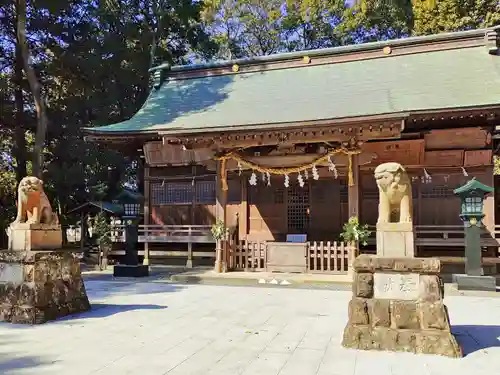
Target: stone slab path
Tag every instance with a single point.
(158, 328)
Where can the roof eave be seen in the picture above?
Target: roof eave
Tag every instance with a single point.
(285, 125)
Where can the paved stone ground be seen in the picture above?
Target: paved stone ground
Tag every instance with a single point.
(159, 328)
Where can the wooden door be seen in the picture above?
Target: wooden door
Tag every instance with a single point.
(298, 209)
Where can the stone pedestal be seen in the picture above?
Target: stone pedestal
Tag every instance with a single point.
(26, 237)
(37, 286)
(397, 305)
(395, 240)
(470, 282)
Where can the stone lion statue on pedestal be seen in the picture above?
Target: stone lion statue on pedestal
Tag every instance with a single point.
(395, 195)
(33, 206)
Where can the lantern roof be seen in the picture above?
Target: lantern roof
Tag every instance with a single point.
(473, 186)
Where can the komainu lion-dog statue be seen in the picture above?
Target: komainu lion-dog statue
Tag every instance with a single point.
(395, 194)
(33, 206)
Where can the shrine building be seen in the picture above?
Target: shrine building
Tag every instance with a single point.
(282, 148)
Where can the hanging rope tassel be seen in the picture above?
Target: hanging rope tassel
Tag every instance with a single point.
(349, 172)
(223, 175)
(286, 171)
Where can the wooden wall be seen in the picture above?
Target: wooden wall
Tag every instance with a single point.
(266, 209)
(267, 214)
(269, 206)
(433, 200)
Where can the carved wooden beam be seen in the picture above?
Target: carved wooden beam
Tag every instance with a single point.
(307, 133)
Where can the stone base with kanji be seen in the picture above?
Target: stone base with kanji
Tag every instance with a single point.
(397, 305)
(38, 286)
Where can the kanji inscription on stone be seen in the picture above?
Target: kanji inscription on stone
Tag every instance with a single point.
(11, 273)
(396, 286)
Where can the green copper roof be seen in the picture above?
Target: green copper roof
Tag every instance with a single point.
(115, 209)
(395, 84)
(473, 185)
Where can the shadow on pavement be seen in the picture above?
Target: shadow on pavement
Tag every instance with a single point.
(473, 338)
(14, 362)
(102, 310)
(103, 288)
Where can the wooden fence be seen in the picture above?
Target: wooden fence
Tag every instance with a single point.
(321, 257)
(248, 256)
(329, 257)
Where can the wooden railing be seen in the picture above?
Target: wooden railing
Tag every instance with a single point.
(444, 236)
(175, 234)
(329, 257)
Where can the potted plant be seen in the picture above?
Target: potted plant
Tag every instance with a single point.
(355, 233)
(102, 233)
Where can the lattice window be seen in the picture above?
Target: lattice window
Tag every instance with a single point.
(157, 194)
(172, 193)
(298, 210)
(439, 191)
(205, 192)
(298, 195)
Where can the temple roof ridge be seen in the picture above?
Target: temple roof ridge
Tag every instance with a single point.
(488, 34)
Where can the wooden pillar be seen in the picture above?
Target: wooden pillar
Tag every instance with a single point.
(147, 214)
(353, 191)
(243, 214)
(220, 214)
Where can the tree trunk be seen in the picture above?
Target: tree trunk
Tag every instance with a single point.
(20, 136)
(36, 89)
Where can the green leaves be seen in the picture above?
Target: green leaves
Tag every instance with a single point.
(219, 230)
(355, 232)
(102, 230)
(455, 15)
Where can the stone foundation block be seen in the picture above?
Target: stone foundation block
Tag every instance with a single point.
(404, 315)
(358, 312)
(412, 341)
(431, 288)
(434, 316)
(40, 286)
(363, 285)
(380, 315)
(397, 305)
(441, 343)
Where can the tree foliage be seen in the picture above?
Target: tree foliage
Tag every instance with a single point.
(455, 15)
(91, 60)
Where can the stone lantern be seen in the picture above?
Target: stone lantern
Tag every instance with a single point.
(472, 196)
(131, 203)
